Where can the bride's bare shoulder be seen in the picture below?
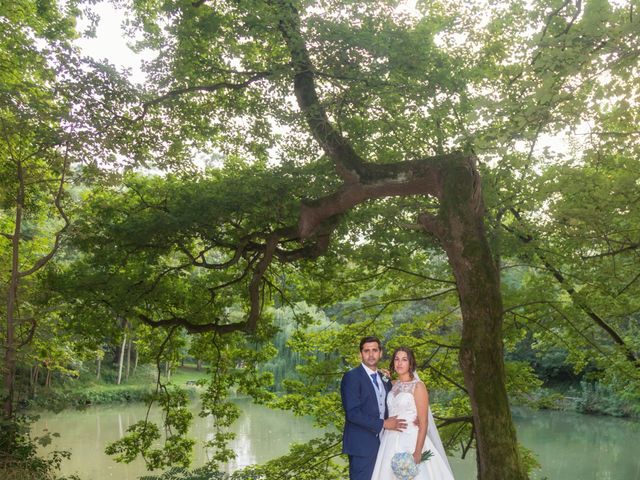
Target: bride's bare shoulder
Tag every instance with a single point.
(420, 385)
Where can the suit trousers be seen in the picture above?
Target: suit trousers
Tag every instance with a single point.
(361, 468)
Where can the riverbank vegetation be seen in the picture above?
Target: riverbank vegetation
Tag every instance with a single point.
(265, 199)
(86, 390)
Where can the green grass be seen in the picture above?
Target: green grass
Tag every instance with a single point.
(86, 390)
(186, 374)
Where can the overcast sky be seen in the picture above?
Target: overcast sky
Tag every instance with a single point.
(110, 43)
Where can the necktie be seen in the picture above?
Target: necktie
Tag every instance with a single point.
(374, 377)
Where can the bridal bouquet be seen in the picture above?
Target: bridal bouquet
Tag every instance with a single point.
(404, 467)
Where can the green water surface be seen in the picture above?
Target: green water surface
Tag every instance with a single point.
(569, 446)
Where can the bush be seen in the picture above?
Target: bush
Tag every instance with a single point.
(59, 400)
(18, 453)
(202, 473)
(597, 398)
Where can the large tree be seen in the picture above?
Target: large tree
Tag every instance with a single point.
(378, 101)
(54, 108)
(35, 162)
(393, 101)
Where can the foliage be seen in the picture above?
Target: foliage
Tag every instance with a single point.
(183, 249)
(60, 399)
(179, 473)
(54, 105)
(288, 319)
(315, 459)
(19, 459)
(202, 473)
(141, 436)
(86, 391)
(529, 459)
(598, 398)
(235, 363)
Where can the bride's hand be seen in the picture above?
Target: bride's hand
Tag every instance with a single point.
(417, 456)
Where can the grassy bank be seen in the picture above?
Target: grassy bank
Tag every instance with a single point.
(86, 390)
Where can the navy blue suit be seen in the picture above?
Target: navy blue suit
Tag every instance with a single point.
(363, 423)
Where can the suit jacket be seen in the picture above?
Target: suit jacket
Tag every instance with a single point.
(363, 422)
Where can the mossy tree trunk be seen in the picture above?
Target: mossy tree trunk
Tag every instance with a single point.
(19, 271)
(459, 227)
(10, 341)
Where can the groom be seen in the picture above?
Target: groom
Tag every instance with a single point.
(364, 401)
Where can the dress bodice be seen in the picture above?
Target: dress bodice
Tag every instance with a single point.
(400, 401)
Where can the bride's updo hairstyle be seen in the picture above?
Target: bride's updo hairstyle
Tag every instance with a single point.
(413, 365)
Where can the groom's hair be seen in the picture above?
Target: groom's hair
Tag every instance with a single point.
(369, 340)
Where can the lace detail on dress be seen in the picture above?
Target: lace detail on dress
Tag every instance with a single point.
(406, 387)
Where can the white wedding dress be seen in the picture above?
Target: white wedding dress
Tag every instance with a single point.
(400, 403)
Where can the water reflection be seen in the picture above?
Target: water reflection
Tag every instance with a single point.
(261, 434)
(576, 446)
(569, 446)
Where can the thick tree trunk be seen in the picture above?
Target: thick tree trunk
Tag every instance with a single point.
(198, 365)
(455, 182)
(98, 367)
(8, 382)
(460, 229)
(10, 358)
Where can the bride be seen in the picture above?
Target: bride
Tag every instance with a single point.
(409, 399)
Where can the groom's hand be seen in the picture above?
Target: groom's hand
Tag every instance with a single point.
(395, 423)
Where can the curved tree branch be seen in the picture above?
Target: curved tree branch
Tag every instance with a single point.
(255, 301)
(338, 149)
(214, 87)
(199, 260)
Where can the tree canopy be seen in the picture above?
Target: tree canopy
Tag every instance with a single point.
(456, 176)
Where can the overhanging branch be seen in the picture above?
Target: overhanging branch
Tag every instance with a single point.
(338, 149)
(214, 87)
(573, 294)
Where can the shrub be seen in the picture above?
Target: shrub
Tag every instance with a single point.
(18, 453)
(603, 399)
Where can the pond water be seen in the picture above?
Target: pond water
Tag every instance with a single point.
(569, 446)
